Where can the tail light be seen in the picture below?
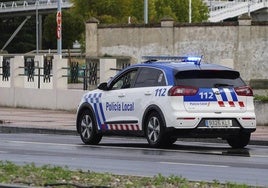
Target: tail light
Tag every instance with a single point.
(244, 91)
(182, 91)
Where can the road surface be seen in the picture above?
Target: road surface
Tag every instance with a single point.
(198, 161)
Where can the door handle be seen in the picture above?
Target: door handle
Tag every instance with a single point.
(121, 95)
(148, 93)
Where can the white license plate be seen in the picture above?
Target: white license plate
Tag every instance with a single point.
(219, 123)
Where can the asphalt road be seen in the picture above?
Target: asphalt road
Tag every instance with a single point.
(192, 160)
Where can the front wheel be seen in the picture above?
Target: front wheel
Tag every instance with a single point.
(87, 127)
(239, 141)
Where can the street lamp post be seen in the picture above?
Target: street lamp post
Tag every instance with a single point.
(249, 8)
(190, 11)
(146, 11)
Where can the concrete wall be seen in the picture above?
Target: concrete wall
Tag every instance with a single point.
(261, 110)
(19, 92)
(243, 45)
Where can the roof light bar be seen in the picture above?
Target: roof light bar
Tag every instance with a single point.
(194, 59)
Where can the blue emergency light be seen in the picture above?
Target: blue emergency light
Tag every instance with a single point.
(176, 59)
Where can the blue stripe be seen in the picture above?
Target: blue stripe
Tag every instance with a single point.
(233, 94)
(95, 98)
(203, 95)
(97, 115)
(102, 114)
(223, 94)
(101, 111)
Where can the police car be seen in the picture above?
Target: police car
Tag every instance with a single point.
(165, 98)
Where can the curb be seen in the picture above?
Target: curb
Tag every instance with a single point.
(14, 186)
(7, 129)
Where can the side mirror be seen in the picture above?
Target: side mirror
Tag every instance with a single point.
(103, 86)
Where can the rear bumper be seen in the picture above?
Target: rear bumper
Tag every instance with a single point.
(185, 120)
(208, 132)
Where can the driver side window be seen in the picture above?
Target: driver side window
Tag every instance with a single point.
(125, 81)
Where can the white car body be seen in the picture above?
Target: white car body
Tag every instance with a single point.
(183, 110)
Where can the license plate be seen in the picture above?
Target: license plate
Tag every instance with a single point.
(219, 123)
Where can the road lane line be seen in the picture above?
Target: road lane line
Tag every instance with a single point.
(44, 143)
(260, 156)
(192, 164)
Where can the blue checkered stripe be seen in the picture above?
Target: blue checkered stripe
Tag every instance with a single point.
(95, 100)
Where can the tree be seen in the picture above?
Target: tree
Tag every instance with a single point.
(179, 10)
(117, 11)
(72, 29)
(24, 41)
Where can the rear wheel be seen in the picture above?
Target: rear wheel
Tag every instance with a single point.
(155, 130)
(87, 127)
(239, 141)
(170, 141)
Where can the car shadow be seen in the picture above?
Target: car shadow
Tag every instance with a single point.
(181, 146)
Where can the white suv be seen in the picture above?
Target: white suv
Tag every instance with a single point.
(165, 98)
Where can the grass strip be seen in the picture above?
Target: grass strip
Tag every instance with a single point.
(61, 177)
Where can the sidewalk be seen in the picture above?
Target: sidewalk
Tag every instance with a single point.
(36, 120)
(63, 122)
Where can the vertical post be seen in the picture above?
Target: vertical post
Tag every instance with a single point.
(39, 73)
(59, 29)
(249, 8)
(40, 34)
(146, 11)
(190, 11)
(37, 28)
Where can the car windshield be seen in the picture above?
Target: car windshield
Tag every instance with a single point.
(209, 78)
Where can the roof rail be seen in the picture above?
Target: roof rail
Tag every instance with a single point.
(191, 59)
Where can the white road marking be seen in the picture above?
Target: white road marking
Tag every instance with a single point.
(44, 143)
(191, 164)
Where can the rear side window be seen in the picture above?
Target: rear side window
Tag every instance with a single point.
(209, 78)
(149, 77)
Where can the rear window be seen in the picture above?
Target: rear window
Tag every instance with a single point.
(209, 78)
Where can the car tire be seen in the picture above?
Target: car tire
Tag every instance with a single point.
(87, 127)
(239, 141)
(169, 141)
(155, 130)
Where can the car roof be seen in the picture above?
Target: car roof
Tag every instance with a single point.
(179, 63)
(182, 66)
(173, 65)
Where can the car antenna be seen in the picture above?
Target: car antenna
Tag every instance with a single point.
(199, 62)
